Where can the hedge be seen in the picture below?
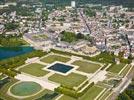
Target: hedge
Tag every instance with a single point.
(71, 92)
(67, 87)
(86, 82)
(86, 89)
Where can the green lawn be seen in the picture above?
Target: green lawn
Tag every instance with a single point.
(125, 71)
(92, 93)
(4, 89)
(116, 68)
(65, 97)
(53, 58)
(105, 95)
(41, 36)
(25, 88)
(47, 95)
(5, 96)
(2, 76)
(86, 66)
(70, 80)
(34, 69)
(68, 37)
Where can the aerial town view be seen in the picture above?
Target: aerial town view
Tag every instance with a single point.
(66, 49)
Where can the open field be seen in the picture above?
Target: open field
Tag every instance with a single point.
(86, 66)
(71, 80)
(34, 69)
(53, 58)
(116, 68)
(92, 93)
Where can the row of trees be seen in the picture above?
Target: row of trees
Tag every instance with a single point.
(7, 66)
(71, 92)
(104, 57)
(11, 40)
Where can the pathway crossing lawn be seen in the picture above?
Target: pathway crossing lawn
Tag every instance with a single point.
(53, 58)
(65, 97)
(125, 71)
(86, 66)
(92, 93)
(70, 80)
(34, 69)
(105, 95)
(116, 68)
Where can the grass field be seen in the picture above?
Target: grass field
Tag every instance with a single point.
(5, 96)
(34, 69)
(116, 68)
(3, 93)
(105, 95)
(41, 36)
(25, 88)
(2, 76)
(125, 71)
(86, 66)
(92, 93)
(71, 80)
(65, 97)
(53, 58)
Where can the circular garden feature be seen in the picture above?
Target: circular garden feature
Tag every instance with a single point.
(25, 88)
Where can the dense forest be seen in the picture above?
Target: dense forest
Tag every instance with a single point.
(127, 3)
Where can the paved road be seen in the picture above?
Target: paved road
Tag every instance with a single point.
(123, 84)
(84, 19)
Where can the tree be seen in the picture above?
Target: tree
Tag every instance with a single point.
(53, 18)
(123, 96)
(68, 36)
(11, 26)
(89, 12)
(80, 36)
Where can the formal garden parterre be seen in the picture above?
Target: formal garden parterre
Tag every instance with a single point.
(80, 83)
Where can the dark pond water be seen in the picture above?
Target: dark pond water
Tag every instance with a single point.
(60, 67)
(7, 52)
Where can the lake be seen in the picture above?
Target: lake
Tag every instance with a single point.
(7, 52)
